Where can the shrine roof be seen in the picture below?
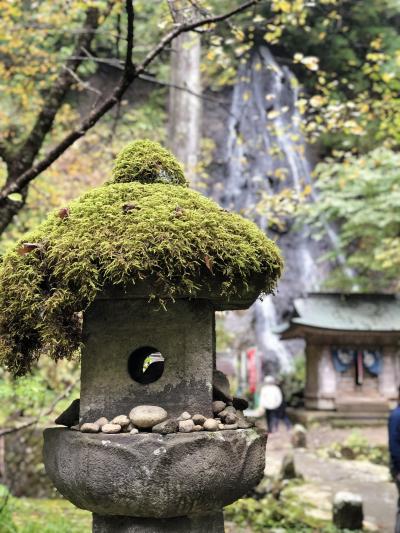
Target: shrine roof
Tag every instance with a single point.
(343, 312)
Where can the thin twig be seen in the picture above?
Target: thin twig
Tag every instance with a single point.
(151, 79)
(85, 84)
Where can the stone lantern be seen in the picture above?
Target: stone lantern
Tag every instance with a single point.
(134, 271)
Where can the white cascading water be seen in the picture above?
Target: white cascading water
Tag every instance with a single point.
(264, 153)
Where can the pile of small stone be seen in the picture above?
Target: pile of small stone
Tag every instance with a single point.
(155, 419)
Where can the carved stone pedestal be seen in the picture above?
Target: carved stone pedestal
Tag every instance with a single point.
(210, 523)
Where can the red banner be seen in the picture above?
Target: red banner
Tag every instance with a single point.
(252, 371)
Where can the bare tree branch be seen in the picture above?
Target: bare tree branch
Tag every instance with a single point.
(151, 79)
(129, 75)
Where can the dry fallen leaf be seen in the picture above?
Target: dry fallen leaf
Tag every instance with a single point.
(126, 208)
(28, 247)
(209, 262)
(178, 211)
(63, 213)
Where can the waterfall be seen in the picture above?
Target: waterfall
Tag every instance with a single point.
(265, 152)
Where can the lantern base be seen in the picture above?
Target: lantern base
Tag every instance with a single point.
(212, 523)
(154, 476)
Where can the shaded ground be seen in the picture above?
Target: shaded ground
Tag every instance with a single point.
(324, 477)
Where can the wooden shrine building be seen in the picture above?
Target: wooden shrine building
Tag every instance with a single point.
(352, 350)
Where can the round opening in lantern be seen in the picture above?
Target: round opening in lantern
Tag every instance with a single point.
(146, 365)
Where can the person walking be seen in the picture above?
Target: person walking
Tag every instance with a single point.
(282, 415)
(271, 400)
(394, 451)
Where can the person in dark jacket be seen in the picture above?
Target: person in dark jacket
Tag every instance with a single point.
(394, 451)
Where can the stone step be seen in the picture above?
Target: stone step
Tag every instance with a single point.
(356, 406)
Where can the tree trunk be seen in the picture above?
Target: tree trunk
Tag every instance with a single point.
(185, 103)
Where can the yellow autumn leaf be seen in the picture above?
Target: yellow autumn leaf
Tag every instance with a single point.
(307, 190)
(246, 96)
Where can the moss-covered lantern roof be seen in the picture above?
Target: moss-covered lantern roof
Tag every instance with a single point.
(143, 224)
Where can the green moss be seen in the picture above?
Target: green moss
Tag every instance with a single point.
(147, 162)
(119, 234)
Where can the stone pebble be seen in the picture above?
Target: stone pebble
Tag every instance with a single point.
(230, 426)
(101, 421)
(218, 406)
(211, 424)
(121, 420)
(199, 419)
(147, 416)
(89, 427)
(134, 431)
(244, 424)
(186, 426)
(185, 416)
(111, 428)
(230, 418)
(171, 425)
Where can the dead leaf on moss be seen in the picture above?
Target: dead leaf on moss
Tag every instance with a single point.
(209, 262)
(63, 213)
(28, 247)
(126, 208)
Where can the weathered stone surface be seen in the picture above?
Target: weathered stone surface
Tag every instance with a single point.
(299, 436)
(241, 404)
(198, 428)
(171, 425)
(75, 428)
(199, 419)
(210, 523)
(69, 417)
(186, 426)
(90, 428)
(183, 335)
(211, 424)
(348, 511)
(185, 416)
(221, 389)
(83, 467)
(221, 426)
(218, 406)
(111, 428)
(134, 431)
(121, 420)
(147, 416)
(101, 421)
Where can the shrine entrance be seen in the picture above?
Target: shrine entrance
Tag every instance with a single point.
(352, 350)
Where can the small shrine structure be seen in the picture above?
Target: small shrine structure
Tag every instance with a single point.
(352, 350)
